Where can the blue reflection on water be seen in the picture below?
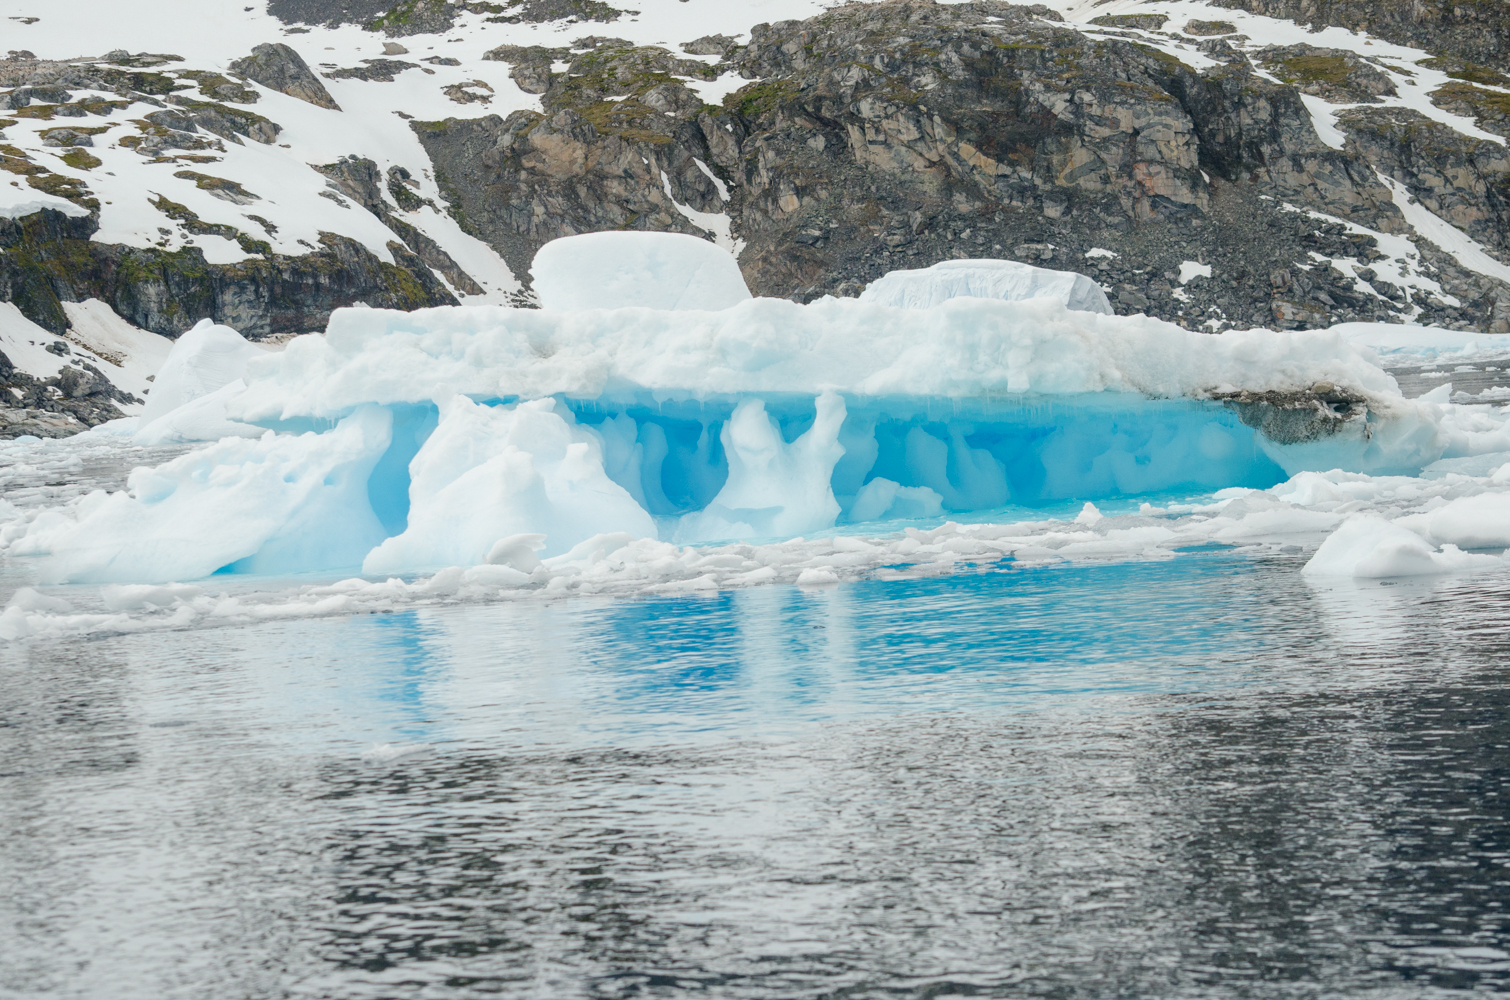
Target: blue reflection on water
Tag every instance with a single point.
(774, 661)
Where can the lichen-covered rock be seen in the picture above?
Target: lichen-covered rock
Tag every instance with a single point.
(375, 70)
(616, 148)
(78, 396)
(49, 258)
(1144, 22)
(1476, 30)
(1200, 28)
(529, 65)
(218, 119)
(879, 133)
(1490, 109)
(1461, 179)
(711, 45)
(1334, 75)
(278, 67)
(358, 178)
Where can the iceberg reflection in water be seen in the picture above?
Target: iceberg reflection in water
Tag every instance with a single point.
(1188, 778)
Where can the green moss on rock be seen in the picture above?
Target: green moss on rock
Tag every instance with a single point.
(81, 159)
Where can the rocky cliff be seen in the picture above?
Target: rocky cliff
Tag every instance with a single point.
(895, 134)
(50, 257)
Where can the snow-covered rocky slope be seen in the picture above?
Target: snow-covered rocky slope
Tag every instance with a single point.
(262, 165)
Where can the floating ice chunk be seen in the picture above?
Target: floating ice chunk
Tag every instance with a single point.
(31, 599)
(1473, 465)
(202, 360)
(1441, 394)
(1476, 522)
(885, 499)
(652, 270)
(517, 551)
(774, 488)
(136, 597)
(283, 503)
(985, 279)
(393, 753)
(817, 576)
(1089, 514)
(968, 347)
(490, 474)
(1422, 341)
(590, 552)
(1369, 547)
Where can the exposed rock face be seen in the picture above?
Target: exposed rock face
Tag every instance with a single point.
(1490, 109)
(1203, 29)
(1476, 30)
(1334, 75)
(359, 179)
(217, 119)
(78, 396)
(49, 258)
(280, 68)
(986, 118)
(375, 70)
(1464, 180)
(588, 163)
(1146, 22)
(420, 17)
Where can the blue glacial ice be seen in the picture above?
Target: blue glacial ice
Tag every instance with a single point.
(519, 441)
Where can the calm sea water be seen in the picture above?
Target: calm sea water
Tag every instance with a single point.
(1196, 778)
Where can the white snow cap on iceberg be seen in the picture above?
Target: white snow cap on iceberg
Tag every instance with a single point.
(985, 279)
(652, 270)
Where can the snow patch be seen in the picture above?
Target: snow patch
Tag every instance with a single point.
(1190, 270)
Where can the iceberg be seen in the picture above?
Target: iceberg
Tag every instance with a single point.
(506, 440)
(650, 270)
(985, 279)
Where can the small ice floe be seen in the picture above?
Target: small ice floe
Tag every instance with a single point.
(388, 754)
(1367, 546)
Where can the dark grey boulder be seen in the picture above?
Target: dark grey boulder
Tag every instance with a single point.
(280, 68)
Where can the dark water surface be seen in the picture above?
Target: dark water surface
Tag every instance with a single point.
(1196, 778)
